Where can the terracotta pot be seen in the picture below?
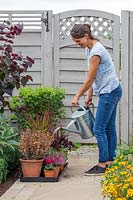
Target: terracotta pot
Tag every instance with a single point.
(61, 168)
(50, 173)
(31, 168)
(57, 170)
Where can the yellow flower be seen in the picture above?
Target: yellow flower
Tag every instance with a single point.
(131, 168)
(125, 186)
(115, 179)
(115, 167)
(129, 193)
(131, 180)
(124, 163)
(123, 173)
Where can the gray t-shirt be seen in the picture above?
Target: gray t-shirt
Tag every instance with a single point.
(106, 80)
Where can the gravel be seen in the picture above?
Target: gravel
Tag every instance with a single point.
(84, 150)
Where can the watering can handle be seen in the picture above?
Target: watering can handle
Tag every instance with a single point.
(78, 106)
(91, 105)
(83, 108)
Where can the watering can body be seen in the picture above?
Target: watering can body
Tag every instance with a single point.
(83, 119)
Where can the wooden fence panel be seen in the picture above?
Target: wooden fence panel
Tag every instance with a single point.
(127, 77)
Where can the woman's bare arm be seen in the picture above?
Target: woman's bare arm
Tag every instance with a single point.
(94, 63)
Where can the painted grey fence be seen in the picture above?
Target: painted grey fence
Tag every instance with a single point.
(127, 76)
(60, 63)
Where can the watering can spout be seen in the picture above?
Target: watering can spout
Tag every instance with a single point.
(67, 128)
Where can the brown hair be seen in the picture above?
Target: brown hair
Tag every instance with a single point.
(79, 31)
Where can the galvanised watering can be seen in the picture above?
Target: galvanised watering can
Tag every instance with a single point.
(83, 119)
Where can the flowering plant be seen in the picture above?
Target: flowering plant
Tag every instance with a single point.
(49, 162)
(60, 159)
(55, 158)
(117, 182)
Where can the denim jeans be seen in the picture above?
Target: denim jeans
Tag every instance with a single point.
(105, 127)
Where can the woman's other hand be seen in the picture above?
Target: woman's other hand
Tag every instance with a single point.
(75, 100)
(88, 101)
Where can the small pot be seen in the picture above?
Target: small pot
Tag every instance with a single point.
(57, 170)
(50, 173)
(61, 168)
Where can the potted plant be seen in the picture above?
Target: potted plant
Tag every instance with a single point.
(60, 161)
(61, 145)
(50, 169)
(28, 111)
(35, 141)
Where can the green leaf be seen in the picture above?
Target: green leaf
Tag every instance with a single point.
(2, 75)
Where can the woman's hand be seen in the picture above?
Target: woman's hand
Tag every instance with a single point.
(88, 101)
(75, 100)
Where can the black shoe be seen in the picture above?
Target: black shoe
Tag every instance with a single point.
(96, 170)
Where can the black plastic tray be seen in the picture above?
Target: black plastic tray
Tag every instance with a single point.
(39, 179)
(42, 178)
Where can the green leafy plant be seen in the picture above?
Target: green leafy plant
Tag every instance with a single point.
(7, 136)
(76, 146)
(12, 65)
(12, 159)
(3, 170)
(49, 166)
(8, 148)
(61, 145)
(61, 141)
(35, 102)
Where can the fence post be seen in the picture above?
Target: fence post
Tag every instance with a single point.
(47, 49)
(125, 53)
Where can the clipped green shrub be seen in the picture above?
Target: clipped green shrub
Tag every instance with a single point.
(35, 101)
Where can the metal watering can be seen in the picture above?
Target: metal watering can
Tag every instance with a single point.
(83, 119)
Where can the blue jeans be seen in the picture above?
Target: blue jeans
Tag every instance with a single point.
(104, 127)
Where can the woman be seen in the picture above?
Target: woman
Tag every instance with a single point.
(103, 81)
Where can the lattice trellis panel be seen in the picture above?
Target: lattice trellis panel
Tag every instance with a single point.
(100, 27)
